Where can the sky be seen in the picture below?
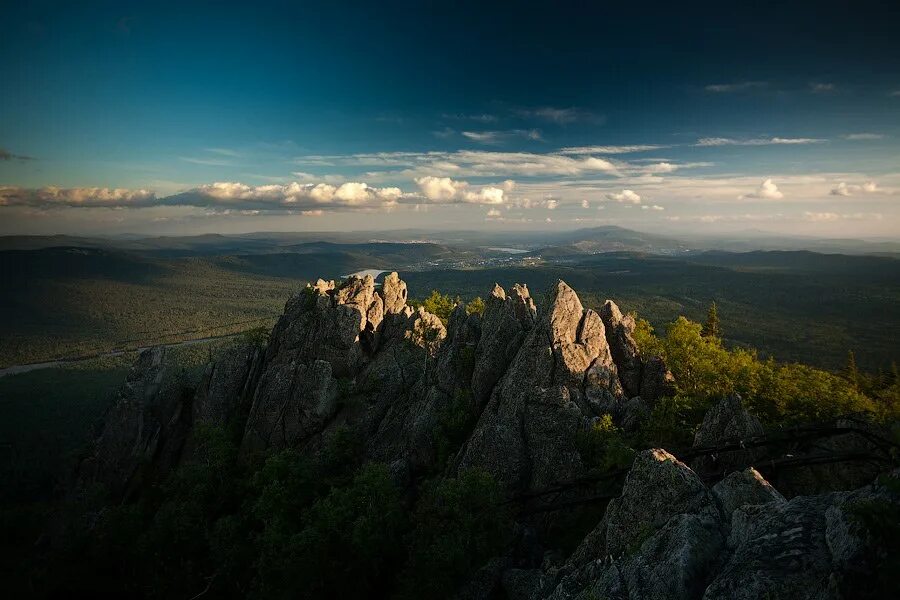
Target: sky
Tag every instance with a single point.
(200, 117)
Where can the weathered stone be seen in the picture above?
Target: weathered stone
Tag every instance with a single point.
(409, 386)
(625, 353)
(292, 403)
(656, 381)
(658, 487)
(744, 487)
(145, 426)
(526, 435)
(795, 549)
(223, 386)
(634, 412)
(726, 421)
(506, 320)
(324, 323)
(675, 562)
(662, 538)
(394, 294)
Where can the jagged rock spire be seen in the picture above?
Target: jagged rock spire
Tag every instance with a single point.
(526, 434)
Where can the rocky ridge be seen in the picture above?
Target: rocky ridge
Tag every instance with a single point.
(526, 382)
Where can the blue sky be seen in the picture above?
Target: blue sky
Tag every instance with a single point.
(170, 118)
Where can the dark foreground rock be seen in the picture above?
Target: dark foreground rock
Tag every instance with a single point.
(669, 536)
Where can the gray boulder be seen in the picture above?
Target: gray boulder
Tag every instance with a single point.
(658, 487)
(804, 548)
(744, 487)
(726, 421)
(671, 537)
(394, 294)
(659, 539)
(656, 380)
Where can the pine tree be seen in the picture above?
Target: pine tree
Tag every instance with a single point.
(851, 372)
(711, 327)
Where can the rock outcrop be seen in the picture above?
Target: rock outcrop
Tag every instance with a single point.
(326, 334)
(510, 392)
(507, 319)
(726, 421)
(144, 428)
(669, 537)
(526, 435)
(646, 377)
(355, 355)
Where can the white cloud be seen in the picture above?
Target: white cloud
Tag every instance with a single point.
(659, 168)
(652, 207)
(722, 141)
(822, 88)
(625, 196)
(858, 137)
(50, 196)
(500, 137)
(440, 189)
(579, 150)
(465, 163)
(844, 189)
(493, 214)
(743, 86)
(560, 116)
(292, 196)
(767, 190)
(483, 137)
(820, 217)
(585, 204)
(446, 190)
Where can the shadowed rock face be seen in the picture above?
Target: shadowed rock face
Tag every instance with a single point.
(726, 421)
(619, 332)
(669, 537)
(146, 425)
(507, 319)
(646, 377)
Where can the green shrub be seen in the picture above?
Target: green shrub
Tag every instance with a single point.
(705, 370)
(476, 306)
(438, 304)
(458, 525)
(603, 446)
(454, 423)
(346, 546)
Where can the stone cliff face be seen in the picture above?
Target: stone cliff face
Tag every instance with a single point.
(524, 383)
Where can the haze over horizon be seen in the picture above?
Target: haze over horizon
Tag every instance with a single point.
(121, 117)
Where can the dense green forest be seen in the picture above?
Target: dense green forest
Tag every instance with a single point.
(795, 306)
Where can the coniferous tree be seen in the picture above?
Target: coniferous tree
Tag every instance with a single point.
(851, 372)
(711, 327)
